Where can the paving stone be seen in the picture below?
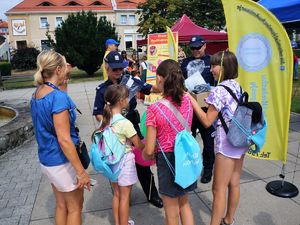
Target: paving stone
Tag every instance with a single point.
(1, 193)
(29, 190)
(24, 220)
(19, 179)
(19, 201)
(17, 158)
(25, 166)
(34, 177)
(5, 180)
(10, 221)
(3, 203)
(31, 199)
(46, 221)
(8, 187)
(3, 173)
(14, 173)
(22, 210)
(6, 212)
(25, 184)
(11, 194)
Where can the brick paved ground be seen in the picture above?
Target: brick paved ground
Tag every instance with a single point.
(20, 177)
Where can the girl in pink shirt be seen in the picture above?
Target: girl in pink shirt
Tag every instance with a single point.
(169, 80)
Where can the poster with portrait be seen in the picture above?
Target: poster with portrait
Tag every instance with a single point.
(19, 27)
(158, 51)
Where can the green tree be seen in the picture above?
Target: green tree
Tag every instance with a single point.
(205, 13)
(81, 39)
(155, 15)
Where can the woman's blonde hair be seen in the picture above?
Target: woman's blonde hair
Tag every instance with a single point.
(47, 62)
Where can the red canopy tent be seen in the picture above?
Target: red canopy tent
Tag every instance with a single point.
(216, 41)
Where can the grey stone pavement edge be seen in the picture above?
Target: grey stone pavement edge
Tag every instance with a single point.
(26, 196)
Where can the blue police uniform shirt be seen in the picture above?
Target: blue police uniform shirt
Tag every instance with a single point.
(42, 110)
(191, 65)
(100, 90)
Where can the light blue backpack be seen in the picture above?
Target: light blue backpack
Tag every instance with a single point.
(107, 150)
(248, 127)
(188, 157)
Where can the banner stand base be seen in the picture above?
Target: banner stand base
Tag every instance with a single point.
(282, 189)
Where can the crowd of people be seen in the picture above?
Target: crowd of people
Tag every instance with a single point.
(54, 117)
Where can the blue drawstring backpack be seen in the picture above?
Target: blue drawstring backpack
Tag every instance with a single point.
(188, 157)
(248, 127)
(107, 150)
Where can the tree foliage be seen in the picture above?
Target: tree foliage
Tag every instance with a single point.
(81, 39)
(155, 15)
(2, 39)
(206, 13)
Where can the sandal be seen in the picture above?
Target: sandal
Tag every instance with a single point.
(223, 222)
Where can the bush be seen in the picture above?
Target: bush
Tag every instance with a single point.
(25, 59)
(5, 68)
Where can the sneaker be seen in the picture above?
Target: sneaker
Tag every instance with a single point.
(130, 222)
(223, 222)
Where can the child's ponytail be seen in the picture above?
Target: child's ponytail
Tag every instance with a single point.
(107, 115)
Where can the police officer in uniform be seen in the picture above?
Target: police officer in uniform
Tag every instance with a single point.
(199, 63)
(114, 67)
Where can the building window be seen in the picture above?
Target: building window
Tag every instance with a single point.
(140, 37)
(3, 30)
(43, 22)
(131, 19)
(58, 21)
(128, 41)
(45, 45)
(123, 19)
(21, 44)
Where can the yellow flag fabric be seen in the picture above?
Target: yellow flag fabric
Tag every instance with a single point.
(104, 72)
(264, 53)
(172, 45)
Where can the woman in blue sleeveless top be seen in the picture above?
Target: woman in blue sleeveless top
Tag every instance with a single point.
(53, 116)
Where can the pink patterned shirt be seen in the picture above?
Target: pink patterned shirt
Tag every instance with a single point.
(165, 132)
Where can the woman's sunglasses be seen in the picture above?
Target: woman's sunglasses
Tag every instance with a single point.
(196, 48)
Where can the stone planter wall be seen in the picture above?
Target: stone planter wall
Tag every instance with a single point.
(20, 129)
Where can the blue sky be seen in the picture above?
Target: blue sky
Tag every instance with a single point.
(6, 5)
